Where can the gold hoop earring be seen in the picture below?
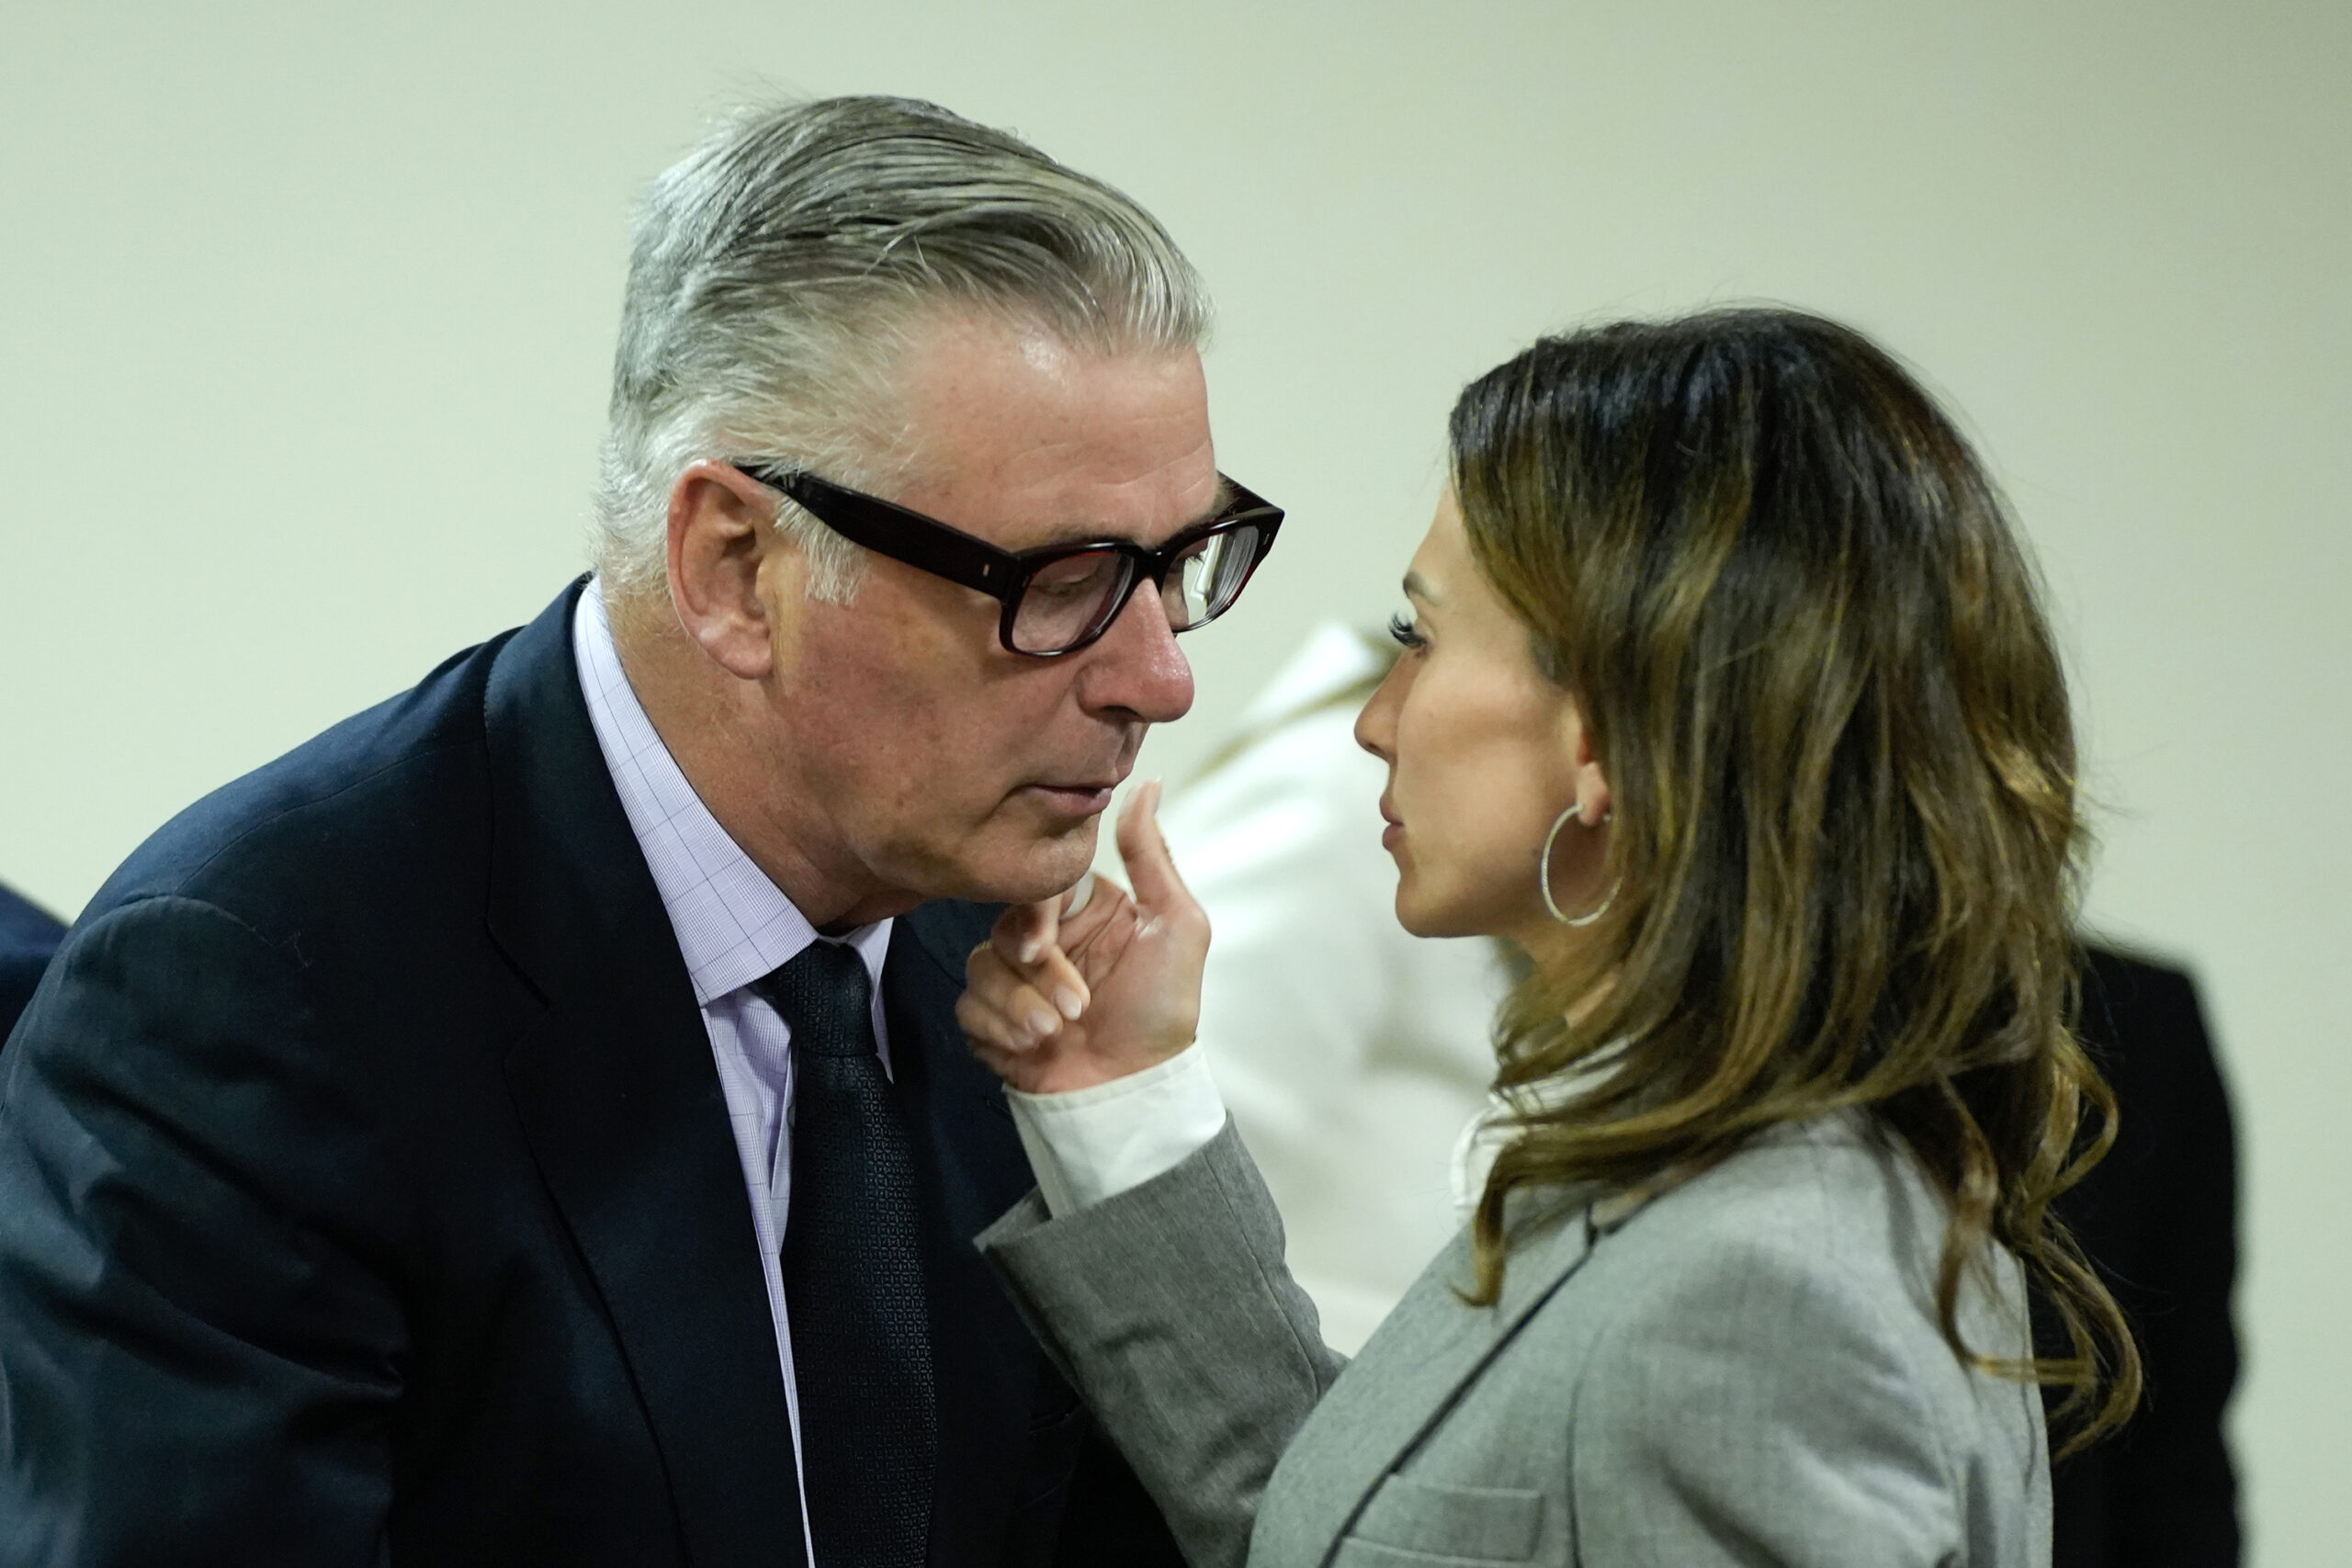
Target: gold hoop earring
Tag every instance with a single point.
(1544, 871)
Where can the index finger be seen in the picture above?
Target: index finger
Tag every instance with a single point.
(1025, 933)
(1160, 887)
(1027, 939)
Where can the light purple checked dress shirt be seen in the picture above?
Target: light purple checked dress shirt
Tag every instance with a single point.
(734, 926)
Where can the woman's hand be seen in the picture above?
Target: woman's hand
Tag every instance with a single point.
(1057, 999)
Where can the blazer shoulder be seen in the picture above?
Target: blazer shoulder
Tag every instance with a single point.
(29, 935)
(385, 793)
(1834, 1210)
(1790, 1291)
(1790, 1189)
(26, 925)
(1759, 1271)
(1747, 1394)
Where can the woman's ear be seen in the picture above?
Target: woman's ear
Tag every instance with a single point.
(1592, 790)
(1592, 779)
(721, 531)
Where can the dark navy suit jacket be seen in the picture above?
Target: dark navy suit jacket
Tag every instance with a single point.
(2159, 1218)
(366, 1192)
(28, 936)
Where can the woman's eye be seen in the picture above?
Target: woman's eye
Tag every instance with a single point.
(1407, 634)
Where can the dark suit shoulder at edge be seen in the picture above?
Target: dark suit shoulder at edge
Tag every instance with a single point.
(205, 850)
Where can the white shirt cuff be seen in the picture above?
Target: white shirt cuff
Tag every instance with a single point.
(1091, 1143)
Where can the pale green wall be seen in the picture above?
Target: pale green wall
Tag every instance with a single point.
(306, 313)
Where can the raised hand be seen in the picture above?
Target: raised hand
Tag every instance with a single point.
(1067, 994)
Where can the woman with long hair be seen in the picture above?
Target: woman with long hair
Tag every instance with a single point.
(1727, 697)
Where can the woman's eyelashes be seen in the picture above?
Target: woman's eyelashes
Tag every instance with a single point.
(1409, 634)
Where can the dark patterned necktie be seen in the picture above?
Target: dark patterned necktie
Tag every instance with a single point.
(853, 1276)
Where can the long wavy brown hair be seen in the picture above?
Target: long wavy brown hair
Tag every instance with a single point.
(1812, 660)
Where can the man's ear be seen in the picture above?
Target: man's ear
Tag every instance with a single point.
(721, 531)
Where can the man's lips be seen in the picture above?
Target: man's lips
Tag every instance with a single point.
(1081, 798)
(1393, 834)
(1085, 795)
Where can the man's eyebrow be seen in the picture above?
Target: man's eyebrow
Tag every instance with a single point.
(1084, 534)
(1217, 503)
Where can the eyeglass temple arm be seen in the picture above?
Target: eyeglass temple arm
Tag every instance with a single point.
(1246, 504)
(901, 534)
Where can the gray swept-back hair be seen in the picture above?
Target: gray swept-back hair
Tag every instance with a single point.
(779, 266)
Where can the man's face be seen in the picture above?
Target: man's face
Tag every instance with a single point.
(923, 759)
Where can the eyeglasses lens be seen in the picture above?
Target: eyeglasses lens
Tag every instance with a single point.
(1206, 578)
(1065, 600)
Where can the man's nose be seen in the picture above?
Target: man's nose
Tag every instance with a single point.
(1136, 667)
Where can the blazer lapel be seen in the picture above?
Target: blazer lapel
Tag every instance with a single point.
(620, 1103)
(1408, 1376)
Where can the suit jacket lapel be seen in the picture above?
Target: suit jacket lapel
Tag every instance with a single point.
(620, 1103)
(1408, 1376)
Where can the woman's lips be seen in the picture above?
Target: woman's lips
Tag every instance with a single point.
(1394, 834)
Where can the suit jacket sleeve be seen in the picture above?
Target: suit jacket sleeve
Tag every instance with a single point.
(196, 1363)
(1171, 1309)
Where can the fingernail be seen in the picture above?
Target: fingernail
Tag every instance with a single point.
(1029, 950)
(1042, 1022)
(1071, 1002)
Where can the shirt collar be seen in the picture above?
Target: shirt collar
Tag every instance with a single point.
(733, 924)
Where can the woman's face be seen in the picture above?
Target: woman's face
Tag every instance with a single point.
(1483, 753)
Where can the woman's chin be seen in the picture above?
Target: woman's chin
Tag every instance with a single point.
(1422, 917)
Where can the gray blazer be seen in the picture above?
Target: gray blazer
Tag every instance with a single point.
(1744, 1370)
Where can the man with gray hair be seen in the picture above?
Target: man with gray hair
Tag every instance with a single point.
(528, 1122)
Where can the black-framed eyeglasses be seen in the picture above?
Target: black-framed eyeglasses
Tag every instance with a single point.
(1057, 598)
